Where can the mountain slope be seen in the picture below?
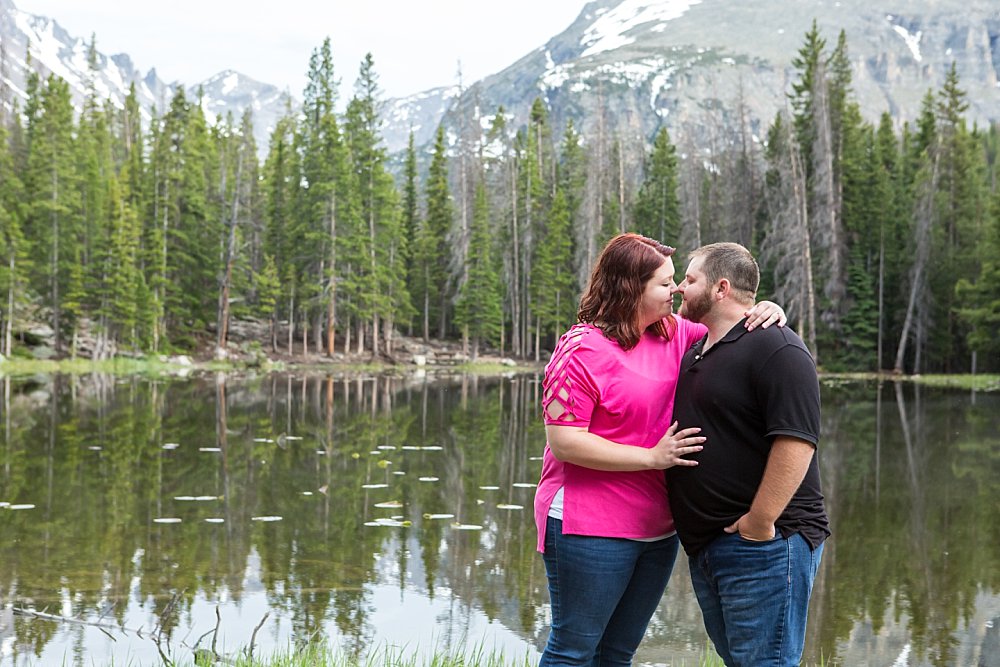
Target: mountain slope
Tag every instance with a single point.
(688, 63)
(55, 51)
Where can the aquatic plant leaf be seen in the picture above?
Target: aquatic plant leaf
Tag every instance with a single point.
(428, 479)
(508, 506)
(167, 519)
(439, 516)
(266, 519)
(389, 504)
(466, 526)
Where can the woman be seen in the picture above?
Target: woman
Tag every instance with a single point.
(604, 524)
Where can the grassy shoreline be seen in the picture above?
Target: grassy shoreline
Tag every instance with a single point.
(16, 367)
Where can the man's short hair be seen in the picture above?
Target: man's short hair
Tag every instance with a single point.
(732, 262)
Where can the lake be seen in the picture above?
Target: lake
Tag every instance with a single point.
(395, 511)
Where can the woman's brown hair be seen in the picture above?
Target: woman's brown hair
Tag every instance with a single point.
(614, 292)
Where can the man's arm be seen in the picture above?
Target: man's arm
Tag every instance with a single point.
(787, 465)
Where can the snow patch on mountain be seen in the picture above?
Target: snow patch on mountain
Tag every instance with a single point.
(608, 31)
(912, 40)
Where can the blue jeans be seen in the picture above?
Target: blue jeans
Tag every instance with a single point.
(603, 590)
(754, 597)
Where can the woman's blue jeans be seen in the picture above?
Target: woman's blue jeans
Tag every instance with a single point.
(603, 591)
(754, 597)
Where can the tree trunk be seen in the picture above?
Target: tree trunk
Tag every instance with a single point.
(924, 220)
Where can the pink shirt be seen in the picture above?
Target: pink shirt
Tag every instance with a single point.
(626, 397)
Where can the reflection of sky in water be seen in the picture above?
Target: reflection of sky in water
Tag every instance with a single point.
(401, 619)
(907, 580)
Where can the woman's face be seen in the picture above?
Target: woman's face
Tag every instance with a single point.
(657, 295)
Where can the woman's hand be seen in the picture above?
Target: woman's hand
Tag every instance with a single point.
(673, 445)
(764, 314)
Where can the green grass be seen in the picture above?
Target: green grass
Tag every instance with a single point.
(978, 382)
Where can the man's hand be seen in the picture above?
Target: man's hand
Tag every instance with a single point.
(749, 529)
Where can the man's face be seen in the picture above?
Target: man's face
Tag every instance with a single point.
(696, 293)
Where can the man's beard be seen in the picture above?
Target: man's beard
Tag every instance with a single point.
(694, 310)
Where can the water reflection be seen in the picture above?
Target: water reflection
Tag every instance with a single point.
(911, 475)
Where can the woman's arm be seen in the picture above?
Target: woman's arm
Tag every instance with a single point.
(577, 445)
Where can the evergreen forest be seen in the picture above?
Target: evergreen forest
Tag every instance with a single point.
(155, 233)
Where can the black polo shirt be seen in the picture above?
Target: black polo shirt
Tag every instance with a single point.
(748, 388)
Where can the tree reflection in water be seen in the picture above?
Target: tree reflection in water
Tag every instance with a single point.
(911, 477)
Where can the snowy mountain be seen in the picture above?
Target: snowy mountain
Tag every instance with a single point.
(632, 65)
(697, 65)
(55, 51)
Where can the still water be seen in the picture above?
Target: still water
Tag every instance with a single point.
(374, 512)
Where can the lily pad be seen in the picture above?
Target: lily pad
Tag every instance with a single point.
(439, 516)
(466, 526)
(391, 523)
(21, 507)
(508, 506)
(266, 519)
(215, 519)
(374, 486)
(389, 504)
(428, 479)
(209, 449)
(432, 448)
(170, 445)
(524, 485)
(167, 519)
(490, 488)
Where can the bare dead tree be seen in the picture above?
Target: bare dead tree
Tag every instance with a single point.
(924, 216)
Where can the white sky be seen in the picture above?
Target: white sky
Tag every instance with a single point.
(416, 44)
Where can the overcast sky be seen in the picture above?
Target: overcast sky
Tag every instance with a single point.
(416, 44)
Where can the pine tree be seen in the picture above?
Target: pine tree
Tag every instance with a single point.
(555, 281)
(52, 193)
(14, 258)
(237, 189)
(478, 310)
(411, 217)
(431, 295)
(280, 185)
(328, 233)
(384, 295)
(657, 209)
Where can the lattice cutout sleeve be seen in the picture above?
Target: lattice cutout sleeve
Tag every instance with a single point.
(568, 395)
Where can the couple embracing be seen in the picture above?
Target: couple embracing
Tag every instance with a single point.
(726, 405)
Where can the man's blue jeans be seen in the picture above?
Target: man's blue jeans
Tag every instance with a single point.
(603, 592)
(754, 597)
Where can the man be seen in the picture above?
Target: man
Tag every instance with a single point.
(750, 515)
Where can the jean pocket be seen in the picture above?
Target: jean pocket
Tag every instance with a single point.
(747, 540)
